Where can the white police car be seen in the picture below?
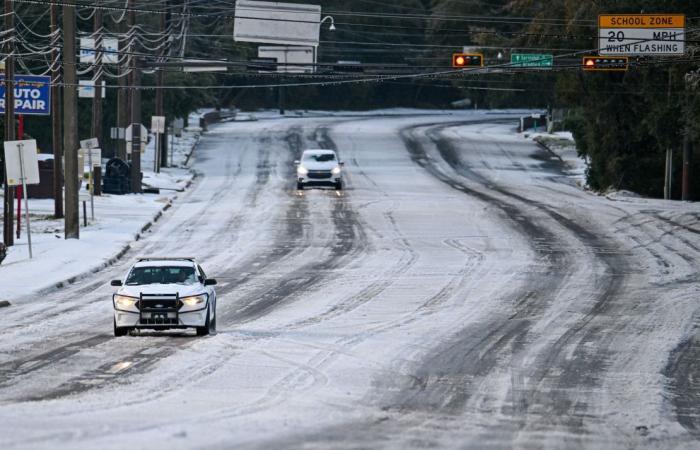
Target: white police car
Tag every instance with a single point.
(165, 293)
(319, 167)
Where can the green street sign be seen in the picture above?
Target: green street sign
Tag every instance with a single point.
(531, 60)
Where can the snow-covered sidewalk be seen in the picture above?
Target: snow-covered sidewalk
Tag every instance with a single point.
(119, 221)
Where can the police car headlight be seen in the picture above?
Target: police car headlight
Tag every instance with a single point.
(301, 170)
(194, 300)
(125, 303)
(336, 170)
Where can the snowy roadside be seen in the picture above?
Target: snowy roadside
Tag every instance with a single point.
(269, 114)
(562, 145)
(119, 221)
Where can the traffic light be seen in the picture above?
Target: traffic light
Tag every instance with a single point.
(605, 63)
(460, 60)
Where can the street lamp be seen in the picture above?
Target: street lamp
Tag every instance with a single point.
(332, 27)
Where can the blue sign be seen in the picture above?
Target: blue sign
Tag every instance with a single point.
(32, 95)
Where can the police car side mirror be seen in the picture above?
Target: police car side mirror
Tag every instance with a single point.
(116, 282)
(209, 282)
(341, 163)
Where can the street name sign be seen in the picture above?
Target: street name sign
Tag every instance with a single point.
(32, 95)
(531, 60)
(641, 34)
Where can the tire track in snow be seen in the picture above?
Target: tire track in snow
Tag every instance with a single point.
(104, 276)
(348, 234)
(567, 365)
(443, 381)
(449, 390)
(140, 362)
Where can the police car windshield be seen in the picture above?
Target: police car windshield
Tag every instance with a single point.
(319, 157)
(161, 275)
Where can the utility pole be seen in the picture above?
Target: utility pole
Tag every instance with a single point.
(70, 124)
(8, 215)
(669, 174)
(97, 100)
(668, 170)
(122, 93)
(160, 79)
(135, 79)
(687, 140)
(56, 140)
(685, 185)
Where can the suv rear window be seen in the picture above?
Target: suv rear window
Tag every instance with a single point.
(319, 157)
(161, 275)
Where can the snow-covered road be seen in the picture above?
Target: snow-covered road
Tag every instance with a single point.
(461, 292)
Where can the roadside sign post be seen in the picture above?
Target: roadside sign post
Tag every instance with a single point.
(157, 128)
(641, 34)
(171, 132)
(90, 145)
(22, 165)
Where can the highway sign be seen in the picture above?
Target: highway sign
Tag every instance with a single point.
(531, 60)
(641, 34)
(32, 95)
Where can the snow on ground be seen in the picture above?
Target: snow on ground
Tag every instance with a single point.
(118, 220)
(461, 292)
(269, 114)
(562, 145)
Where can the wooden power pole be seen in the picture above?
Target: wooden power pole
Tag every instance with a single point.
(8, 216)
(135, 102)
(70, 124)
(122, 92)
(160, 79)
(97, 100)
(56, 138)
